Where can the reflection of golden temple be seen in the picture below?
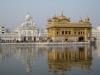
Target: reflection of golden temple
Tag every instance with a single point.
(62, 59)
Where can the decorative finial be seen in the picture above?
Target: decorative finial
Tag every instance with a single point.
(87, 19)
(81, 20)
(62, 13)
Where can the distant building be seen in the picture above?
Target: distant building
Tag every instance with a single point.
(9, 37)
(60, 28)
(96, 33)
(2, 29)
(43, 35)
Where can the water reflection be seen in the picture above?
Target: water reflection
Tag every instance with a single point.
(62, 59)
(59, 59)
(26, 54)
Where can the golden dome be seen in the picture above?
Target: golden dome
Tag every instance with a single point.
(63, 18)
(59, 18)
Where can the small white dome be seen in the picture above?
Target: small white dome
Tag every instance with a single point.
(98, 28)
(28, 17)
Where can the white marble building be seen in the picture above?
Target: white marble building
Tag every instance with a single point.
(26, 32)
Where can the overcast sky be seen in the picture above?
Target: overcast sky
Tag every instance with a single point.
(12, 12)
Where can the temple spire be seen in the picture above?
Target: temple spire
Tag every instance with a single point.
(87, 19)
(62, 13)
(81, 20)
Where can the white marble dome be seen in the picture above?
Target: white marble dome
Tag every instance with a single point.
(28, 17)
(28, 24)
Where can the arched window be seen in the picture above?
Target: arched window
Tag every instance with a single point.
(62, 32)
(65, 32)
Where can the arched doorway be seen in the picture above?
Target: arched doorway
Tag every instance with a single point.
(30, 38)
(66, 40)
(24, 39)
(80, 39)
(34, 39)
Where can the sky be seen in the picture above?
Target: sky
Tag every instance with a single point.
(13, 12)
